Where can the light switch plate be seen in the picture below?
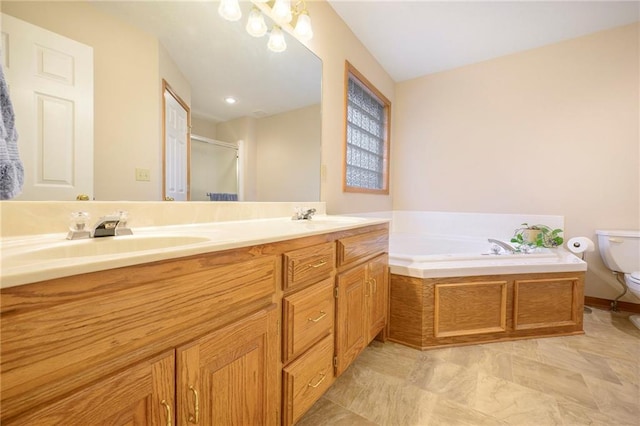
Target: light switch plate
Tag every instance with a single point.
(143, 175)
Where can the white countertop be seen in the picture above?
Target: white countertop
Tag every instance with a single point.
(36, 258)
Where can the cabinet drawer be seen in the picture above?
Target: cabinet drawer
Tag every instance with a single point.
(306, 379)
(308, 316)
(309, 264)
(362, 246)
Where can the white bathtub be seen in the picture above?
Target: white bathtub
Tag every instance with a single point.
(437, 256)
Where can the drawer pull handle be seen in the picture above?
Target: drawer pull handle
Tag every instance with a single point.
(167, 408)
(322, 315)
(375, 285)
(322, 377)
(194, 418)
(319, 264)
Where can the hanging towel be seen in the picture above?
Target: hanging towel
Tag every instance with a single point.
(11, 169)
(219, 196)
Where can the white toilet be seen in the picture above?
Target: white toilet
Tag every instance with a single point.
(620, 251)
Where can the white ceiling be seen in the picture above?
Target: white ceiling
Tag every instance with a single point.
(414, 38)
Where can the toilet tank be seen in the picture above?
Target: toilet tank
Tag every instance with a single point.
(620, 250)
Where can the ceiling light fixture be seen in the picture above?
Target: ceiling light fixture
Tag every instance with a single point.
(303, 26)
(294, 18)
(282, 11)
(255, 24)
(230, 100)
(230, 10)
(276, 40)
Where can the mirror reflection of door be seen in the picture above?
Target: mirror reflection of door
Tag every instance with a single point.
(176, 159)
(50, 80)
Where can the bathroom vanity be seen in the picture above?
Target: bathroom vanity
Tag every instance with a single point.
(251, 334)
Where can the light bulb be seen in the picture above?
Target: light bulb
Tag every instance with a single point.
(303, 27)
(282, 11)
(276, 40)
(255, 24)
(230, 10)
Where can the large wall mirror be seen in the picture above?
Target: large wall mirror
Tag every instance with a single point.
(133, 47)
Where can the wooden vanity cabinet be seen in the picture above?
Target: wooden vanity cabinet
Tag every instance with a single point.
(362, 296)
(243, 336)
(106, 347)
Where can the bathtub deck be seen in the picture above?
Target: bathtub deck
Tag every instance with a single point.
(436, 312)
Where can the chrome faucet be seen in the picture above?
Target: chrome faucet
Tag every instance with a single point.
(303, 214)
(112, 225)
(506, 246)
(106, 226)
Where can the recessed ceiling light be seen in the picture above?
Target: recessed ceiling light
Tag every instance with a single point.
(230, 100)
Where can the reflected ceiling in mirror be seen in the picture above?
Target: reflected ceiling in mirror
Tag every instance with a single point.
(220, 59)
(215, 58)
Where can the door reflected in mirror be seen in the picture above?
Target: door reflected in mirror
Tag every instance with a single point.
(275, 122)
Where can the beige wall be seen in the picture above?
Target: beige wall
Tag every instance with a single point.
(554, 130)
(126, 62)
(243, 132)
(291, 139)
(203, 127)
(334, 43)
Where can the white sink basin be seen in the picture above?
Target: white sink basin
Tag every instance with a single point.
(111, 245)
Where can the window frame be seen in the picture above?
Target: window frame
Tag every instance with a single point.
(351, 71)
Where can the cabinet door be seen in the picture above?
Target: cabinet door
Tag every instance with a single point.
(230, 376)
(351, 330)
(378, 300)
(140, 395)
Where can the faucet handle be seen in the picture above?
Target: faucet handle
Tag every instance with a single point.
(78, 226)
(122, 228)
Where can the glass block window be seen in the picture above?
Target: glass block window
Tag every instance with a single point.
(367, 136)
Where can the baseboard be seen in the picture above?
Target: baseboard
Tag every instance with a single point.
(597, 302)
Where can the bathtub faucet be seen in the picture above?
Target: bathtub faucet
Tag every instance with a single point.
(506, 246)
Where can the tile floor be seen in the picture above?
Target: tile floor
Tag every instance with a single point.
(593, 379)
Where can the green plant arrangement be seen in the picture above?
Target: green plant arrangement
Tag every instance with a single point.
(537, 236)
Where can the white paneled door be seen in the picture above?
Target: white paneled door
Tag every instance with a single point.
(176, 148)
(50, 80)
